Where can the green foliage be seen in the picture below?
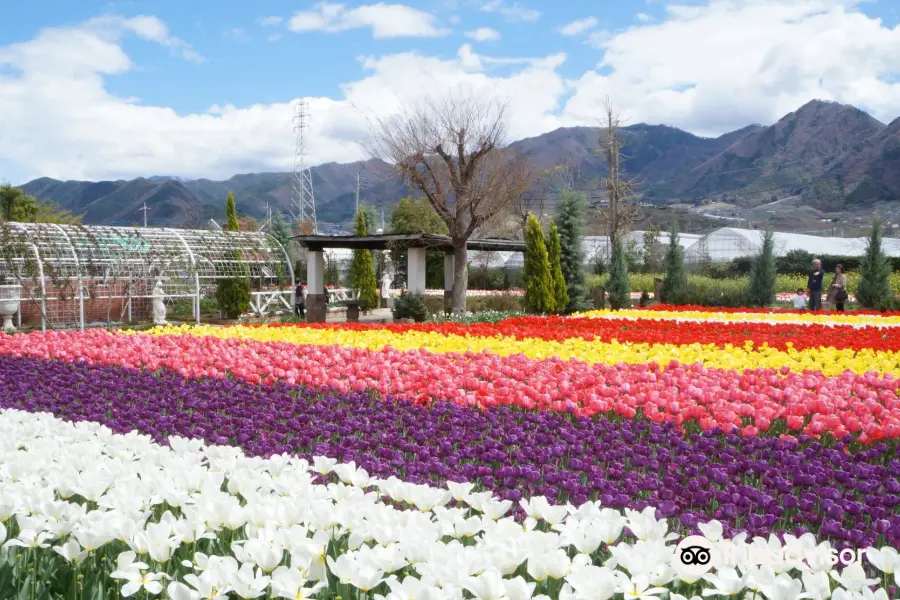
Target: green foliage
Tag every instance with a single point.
(761, 291)
(16, 205)
(487, 316)
(281, 231)
(539, 296)
(560, 290)
(481, 278)
(675, 283)
(874, 288)
(570, 220)
(233, 293)
(410, 306)
(618, 286)
(650, 256)
(362, 271)
(231, 218)
(417, 216)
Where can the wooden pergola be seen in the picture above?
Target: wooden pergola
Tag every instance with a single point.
(416, 244)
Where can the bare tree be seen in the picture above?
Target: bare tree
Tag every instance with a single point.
(620, 214)
(453, 151)
(532, 200)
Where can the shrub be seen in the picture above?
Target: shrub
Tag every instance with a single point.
(618, 285)
(538, 282)
(233, 294)
(411, 306)
(763, 274)
(362, 271)
(560, 290)
(874, 288)
(570, 218)
(675, 283)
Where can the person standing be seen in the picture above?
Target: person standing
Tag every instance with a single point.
(837, 291)
(814, 285)
(300, 300)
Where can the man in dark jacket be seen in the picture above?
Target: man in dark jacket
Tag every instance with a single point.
(814, 285)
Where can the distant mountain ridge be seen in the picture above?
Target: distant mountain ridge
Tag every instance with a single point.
(835, 157)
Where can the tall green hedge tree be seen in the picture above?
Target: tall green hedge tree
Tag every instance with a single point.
(675, 284)
(570, 220)
(233, 293)
(560, 291)
(539, 296)
(618, 287)
(362, 270)
(763, 273)
(874, 287)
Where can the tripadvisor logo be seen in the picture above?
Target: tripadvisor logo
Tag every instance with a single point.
(695, 556)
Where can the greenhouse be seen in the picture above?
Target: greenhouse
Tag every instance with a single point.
(727, 243)
(79, 275)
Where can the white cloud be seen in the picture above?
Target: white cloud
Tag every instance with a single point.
(705, 68)
(271, 21)
(578, 27)
(483, 34)
(237, 33)
(643, 17)
(513, 12)
(385, 20)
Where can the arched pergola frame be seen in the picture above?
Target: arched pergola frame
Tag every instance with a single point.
(60, 268)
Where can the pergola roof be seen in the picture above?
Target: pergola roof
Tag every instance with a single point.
(405, 240)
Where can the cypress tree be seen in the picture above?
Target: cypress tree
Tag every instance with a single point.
(874, 287)
(675, 284)
(570, 219)
(618, 286)
(233, 293)
(538, 281)
(763, 273)
(362, 271)
(560, 291)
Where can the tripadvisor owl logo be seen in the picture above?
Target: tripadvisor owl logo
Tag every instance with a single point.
(693, 557)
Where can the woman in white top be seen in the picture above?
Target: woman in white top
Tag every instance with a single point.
(837, 292)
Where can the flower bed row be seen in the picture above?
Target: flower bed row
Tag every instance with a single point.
(753, 485)
(755, 400)
(829, 361)
(124, 515)
(647, 331)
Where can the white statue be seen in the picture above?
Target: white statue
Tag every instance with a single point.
(159, 304)
(387, 275)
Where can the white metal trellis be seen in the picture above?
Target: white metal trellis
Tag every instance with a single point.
(82, 274)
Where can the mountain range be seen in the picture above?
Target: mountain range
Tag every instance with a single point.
(830, 157)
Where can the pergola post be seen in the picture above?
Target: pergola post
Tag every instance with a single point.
(315, 286)
(415, 272)
(448, 282)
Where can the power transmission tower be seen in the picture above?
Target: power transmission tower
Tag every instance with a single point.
(302, 198)
(144, 209)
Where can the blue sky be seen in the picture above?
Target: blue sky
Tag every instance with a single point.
(243, 66)
(120, 97)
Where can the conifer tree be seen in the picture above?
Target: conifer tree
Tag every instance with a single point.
(538, 281)
(874, 287)
(570, 219)
(233, 293)
(560, 291)
(675, 284)
(618, 287)
(362, 271)
(763, 273)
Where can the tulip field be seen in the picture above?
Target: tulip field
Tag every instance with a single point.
(545, 458)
